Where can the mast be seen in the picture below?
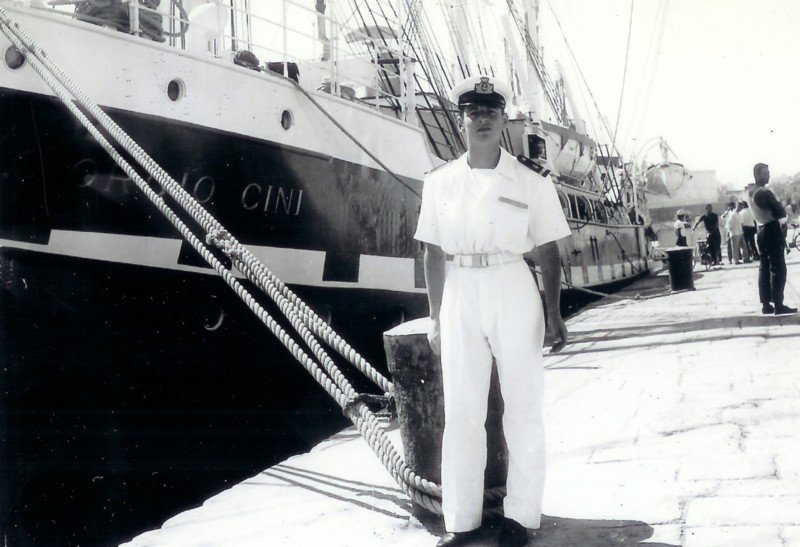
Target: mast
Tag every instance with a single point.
(460, 29)
(321, 34)
(531, 28)
(535, 56)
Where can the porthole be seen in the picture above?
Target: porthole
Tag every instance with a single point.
(14, 58)
(287, 119)
(176, 89)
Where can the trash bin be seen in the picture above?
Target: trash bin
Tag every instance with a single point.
(681, 264)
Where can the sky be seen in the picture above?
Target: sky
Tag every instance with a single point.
(725, 92)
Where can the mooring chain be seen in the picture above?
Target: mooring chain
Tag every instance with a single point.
(420, 489)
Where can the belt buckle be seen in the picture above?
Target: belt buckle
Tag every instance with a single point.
(483, 261)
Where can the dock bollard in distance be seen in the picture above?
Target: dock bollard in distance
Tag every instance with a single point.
(681, 267)
(417, 377)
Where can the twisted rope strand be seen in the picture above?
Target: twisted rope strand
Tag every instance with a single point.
(421, 491)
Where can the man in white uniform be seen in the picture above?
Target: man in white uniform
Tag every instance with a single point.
(733, 224)
(479, 214)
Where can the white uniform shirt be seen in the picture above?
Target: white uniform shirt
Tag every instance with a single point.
(474, 211)
(747, 218)
(681, 228)
(733, 223)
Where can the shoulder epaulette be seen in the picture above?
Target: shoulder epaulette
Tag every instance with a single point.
(533, 165)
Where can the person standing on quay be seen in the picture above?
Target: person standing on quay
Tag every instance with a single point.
(733, 225)
(710, 221)
(681, 226)
(748, 230)
(484, 210)
(772, 268)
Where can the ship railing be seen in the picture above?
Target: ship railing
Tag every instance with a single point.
(285, 36)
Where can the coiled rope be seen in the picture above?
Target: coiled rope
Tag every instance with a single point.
(302, 318)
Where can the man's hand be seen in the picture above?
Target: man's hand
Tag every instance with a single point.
(549, 257)
(434, 263)
(435, 336)
(556, 332)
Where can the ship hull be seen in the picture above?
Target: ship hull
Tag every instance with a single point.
(135, 382)
(120, 380)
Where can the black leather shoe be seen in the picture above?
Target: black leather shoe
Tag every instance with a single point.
(456, 539)
(513, 534)
(781, 310)
(767, 308)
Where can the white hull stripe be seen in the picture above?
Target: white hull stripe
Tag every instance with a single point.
(605, 273)
(292, 266)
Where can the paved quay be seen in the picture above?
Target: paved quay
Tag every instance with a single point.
(672, 419)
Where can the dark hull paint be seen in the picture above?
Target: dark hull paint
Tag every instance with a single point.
(120, 406)
(55, 176)
(122, 410)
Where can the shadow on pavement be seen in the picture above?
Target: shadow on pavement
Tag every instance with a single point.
(392, 502)
(695, 325)
(566, 532)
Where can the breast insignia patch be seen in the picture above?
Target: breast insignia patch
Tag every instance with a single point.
(533, 165)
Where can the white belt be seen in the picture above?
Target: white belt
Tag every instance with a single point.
(483, 260)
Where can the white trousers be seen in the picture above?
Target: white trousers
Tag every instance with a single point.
(493, 311)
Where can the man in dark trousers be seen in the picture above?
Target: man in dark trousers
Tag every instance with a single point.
(711, 222)
(772, 269)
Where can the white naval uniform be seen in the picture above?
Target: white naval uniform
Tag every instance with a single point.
(491, 311)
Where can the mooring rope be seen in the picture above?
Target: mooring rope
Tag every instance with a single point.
(421, 491)
(209, 224)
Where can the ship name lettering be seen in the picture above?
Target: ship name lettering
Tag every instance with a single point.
(91, 177)
(104, 183)
(273, 200)
(204, 189)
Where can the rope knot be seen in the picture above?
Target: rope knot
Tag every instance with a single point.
(223, 240)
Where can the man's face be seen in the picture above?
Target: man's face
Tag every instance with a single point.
(763, 175)
(483, 124)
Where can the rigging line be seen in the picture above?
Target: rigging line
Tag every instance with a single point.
(352, 138)
(660, 41)
(481, 32)
(457, 43)
(476, 50)
(624, 71)
(383, 73)
(583, 77)
(479, 46)
(645, 83)
(433, 80)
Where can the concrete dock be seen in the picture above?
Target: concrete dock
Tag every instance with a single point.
(672, 419)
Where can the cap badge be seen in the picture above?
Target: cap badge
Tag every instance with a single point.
(484, 87)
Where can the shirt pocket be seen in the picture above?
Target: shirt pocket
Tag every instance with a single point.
(511, 231)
